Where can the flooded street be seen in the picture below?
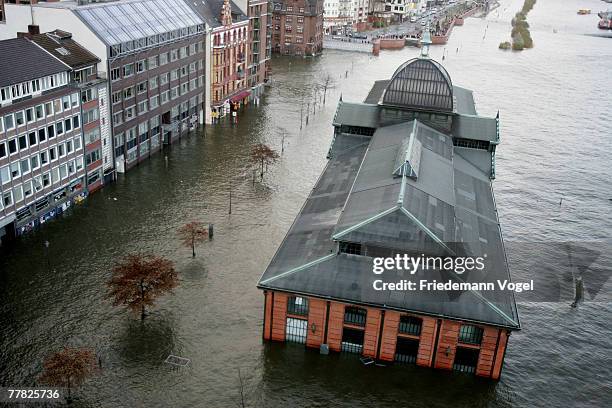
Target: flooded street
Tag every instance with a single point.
(555, 109)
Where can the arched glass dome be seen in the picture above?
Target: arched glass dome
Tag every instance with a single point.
(420, 83)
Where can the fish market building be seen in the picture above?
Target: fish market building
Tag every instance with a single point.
(410, 171)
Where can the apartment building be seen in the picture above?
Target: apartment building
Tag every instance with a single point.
(96, 126)
(410, 174)
(298, 27)
(153, 54)
(338, 16)
(229, 53)
(260, 45)
(42, 167)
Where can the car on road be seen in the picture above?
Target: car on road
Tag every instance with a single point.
(423, 22)
(434, 10)
(413, 19)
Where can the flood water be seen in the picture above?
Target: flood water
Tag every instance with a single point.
(554, 103)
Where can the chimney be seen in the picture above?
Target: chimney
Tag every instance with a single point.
(32, 30)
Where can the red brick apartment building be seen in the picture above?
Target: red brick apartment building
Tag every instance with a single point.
(410, 172)
(230, 46)
(297, 27)
(260, 44)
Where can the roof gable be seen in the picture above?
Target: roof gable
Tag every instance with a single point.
(23, 61)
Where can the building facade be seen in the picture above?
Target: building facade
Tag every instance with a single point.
(260, 45)
(298, 27)
(229, 37)
(338, 16)
(97, 138)
(42, 168)
(155, 79)
(409, 176)
(153, 61)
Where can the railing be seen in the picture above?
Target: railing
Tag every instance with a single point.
(410, 325)
(355, 315)
(470, 334)
(297, 305)
(405, 358)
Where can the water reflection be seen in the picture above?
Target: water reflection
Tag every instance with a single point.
(326, 381)
(147, 343)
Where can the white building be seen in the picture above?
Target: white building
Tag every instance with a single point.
(140, 30)
(337, 15)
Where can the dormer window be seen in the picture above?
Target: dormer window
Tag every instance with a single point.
(351, 248)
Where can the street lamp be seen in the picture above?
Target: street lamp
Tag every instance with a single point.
(46, 244)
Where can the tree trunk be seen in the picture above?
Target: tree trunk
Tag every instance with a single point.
(69, 399)
(262, 168)
(142, 306)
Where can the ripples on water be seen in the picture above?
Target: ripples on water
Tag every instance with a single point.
(554, 104)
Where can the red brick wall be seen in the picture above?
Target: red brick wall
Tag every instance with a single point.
(372, 328)
(499, 357)
(392, 44)
(491, 354)
(389, 336)
(449, 333)
(334, 329)
(316, 316)
(279, 316)
(487, 351)
(427, 341)
(267, 314)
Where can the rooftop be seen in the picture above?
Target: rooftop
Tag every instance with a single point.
(210, 11)
(120, 22)
(406, 189)
(61, 45)
(420, 83)
(16, 62)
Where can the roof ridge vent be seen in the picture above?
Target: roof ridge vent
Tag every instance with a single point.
(408, 158)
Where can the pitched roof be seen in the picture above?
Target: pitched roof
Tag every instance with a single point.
(447, 210)
(210, 11)
(356, 114)
(23, 61)
(443, 207)
(61, 45)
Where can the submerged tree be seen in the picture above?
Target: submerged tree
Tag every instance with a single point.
(192, 233)
(138, 280)
(68, 368)
(263, 155)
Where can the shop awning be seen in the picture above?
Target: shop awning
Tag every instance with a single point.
(240, 96)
